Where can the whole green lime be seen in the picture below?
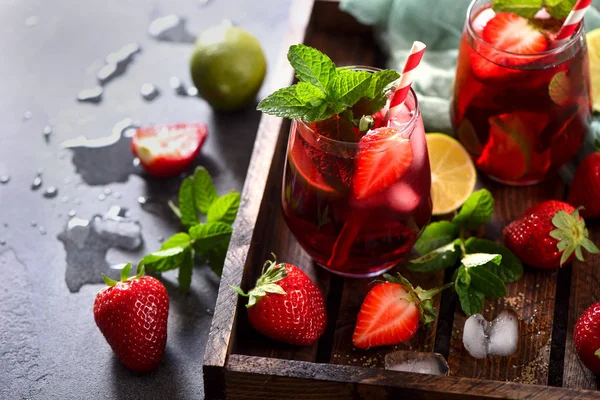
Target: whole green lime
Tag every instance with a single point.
(228, 67)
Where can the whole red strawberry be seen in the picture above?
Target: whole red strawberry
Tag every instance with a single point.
(391, 312)
(587, 338)
(132, 316)
(286, 305)
(548, 235)
(585, 187)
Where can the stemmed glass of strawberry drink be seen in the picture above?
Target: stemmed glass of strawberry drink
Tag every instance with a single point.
(356, 200)
(522, 103)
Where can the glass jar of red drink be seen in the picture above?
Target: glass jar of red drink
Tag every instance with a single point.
(358, 206)
(522, 103)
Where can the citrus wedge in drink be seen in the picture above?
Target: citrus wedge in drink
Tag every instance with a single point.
(453, 174)
(593, 42)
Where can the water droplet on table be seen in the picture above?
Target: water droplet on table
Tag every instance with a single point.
(93, 95)
(192, 91)
(27, 115)
(47, 131)
(64, 199)
(142, 200)
(170, 28)
(4, 179)
(177, 86)
(72, 213)
(86, 243)
(101, 197)
(417, 362)
(149, 92)
(160, 239)
(42, 230)
(37, 182)
(32, 21)
(117, 63)
(107, 191)
(51, 192)
(116, 195)
(33, 224)
(104, 160)
(2, 242)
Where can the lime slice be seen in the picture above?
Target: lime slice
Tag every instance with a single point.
(228, 67)
(453, 174)
(593, 42)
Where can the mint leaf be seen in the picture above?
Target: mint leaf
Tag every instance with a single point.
(187, 206)
(185, 271)
(380, 80)
(312, 66)
(435, 235)
(204, 190)
(559, 9)
(347, 87)
(170, 255)
(524, 8)
(224, 209)
(215, 258)
(441, 258)
(479, 259)
(206, 236)
(471, 300)
(302, 101)
(510, 268)
(485, 281)
(477, 210)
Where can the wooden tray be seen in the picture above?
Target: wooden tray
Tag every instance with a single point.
(239, 363)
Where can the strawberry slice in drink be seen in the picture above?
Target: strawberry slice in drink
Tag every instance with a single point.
(511, 33)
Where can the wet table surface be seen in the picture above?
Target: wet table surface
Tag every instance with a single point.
(50, 346)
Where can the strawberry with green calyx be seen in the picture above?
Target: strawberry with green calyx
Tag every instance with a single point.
(391, 312)
(132, 315)
(586, 337)
(286, 305)
(585, 187)
(549, 235)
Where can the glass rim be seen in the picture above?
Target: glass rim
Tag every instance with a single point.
(400, 128)
(552, 51)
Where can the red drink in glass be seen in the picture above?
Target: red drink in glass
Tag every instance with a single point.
(521, 115)
(348, 230)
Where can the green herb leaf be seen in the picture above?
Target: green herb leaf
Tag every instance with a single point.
(185, 271)
(380, 80)
(312, 66)
(224, 209)
(170, 254)
(485, 281)
(187, 206)
(471, 300)
(347, 87)
(559, 9)
(524, 8)
(478, 259)
(180, 239)
(435, 235)
(477, 210)
(302, 101)
(204, 190)
(215, 258)
(510, 268)
(207, 236)
(438, 259)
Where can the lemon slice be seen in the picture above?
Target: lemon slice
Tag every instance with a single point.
(593, 42)
(453, 174)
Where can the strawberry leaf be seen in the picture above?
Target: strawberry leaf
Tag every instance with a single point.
(125, 272)
(571, 235)
(225, 208)
(204, 190)
(187, 206)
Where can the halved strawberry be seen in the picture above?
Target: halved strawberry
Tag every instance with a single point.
(508, 32)
(383, 158)
(391, 312)
(168, 150)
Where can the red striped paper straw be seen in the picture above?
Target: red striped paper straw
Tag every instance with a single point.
(412, 62)
(573, 19)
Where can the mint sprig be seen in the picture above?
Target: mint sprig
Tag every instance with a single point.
(209, 240)
(558, 9)
(484, 267)
(324, 90)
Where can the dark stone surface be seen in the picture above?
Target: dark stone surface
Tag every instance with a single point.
(49, 344)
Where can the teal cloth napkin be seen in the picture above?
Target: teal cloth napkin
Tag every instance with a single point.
(438, 24)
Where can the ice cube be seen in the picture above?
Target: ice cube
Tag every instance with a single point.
(504, 335)
(497, 338)
(475, 337)
(403, 198)
(482, 19)
(420, 363)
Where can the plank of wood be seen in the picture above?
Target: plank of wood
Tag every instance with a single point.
(254, 377)
(532, 297)
(585, 284)
(252, 195)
